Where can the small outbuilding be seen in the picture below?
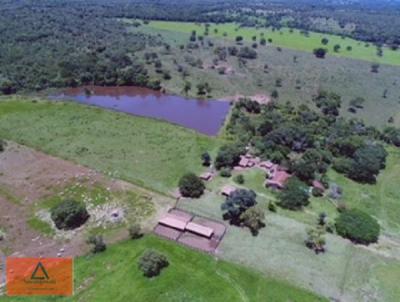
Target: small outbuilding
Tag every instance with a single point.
(278, 179)
(318, 185)
(228, 190)
(206, 176)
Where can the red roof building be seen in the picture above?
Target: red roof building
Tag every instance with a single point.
(227, 190)
(206, 176)
(318, 185)
(173, 222)
(199, 229)
(278, 179)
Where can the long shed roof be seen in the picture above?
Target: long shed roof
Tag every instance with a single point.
(199, 229)
(173, 223)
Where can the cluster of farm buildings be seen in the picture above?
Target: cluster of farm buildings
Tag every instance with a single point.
(276, 175)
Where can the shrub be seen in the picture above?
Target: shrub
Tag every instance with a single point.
(272, 206)
(225, 172)
(315, 240)
(190, 185)
(152, 262)
(98, 244)
(357, 226)
(206, 159)
(317, 192)
(69, 214)
(247, 53)
(135, 232)
(320, 52)
(239, 179)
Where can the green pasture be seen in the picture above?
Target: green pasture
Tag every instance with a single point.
(147, 152)
(288, 38)
(191, 276)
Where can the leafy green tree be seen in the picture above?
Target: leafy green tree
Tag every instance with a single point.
(187, 87)
(392, 135)
(135, 231)
(357, 102)
(315, 240)
(357, 226)
(324, 41)
(69, 214)
(320, 52)
(190, 185)
(253, 218)
(239, 179)
(229, 155)
(6, 86)
(336, 48)
(275, 94)
(295, 195)
(225, 172)
(304, 170)
(239, 39)
(367, 163)
(237, 203)
(206, 159)
(247, 53)
(203, 88)
(328, 102)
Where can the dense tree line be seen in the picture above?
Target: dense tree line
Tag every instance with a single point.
(61, 43)
(308, 141)
(365, 21)
(56, 44)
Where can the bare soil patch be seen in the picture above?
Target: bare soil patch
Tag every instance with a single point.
(260, 98)
(27, 177)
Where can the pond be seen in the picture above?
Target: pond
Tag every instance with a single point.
(204, 116)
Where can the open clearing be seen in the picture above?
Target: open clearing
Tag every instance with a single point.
(143, 151)
(32, 182)
(287, 38)
(191, 276)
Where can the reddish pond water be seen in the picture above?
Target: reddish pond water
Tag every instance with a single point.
(205, 116)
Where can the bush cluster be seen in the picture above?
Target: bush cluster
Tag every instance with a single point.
(357, 226)
(152, 262)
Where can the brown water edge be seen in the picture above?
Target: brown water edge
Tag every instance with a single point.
(204, 116)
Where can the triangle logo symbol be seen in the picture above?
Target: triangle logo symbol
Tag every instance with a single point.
(40, 273)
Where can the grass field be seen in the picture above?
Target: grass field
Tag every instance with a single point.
(288, 39)
(147, 152)
(301, 74)
(380, 200)
(191, 276)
